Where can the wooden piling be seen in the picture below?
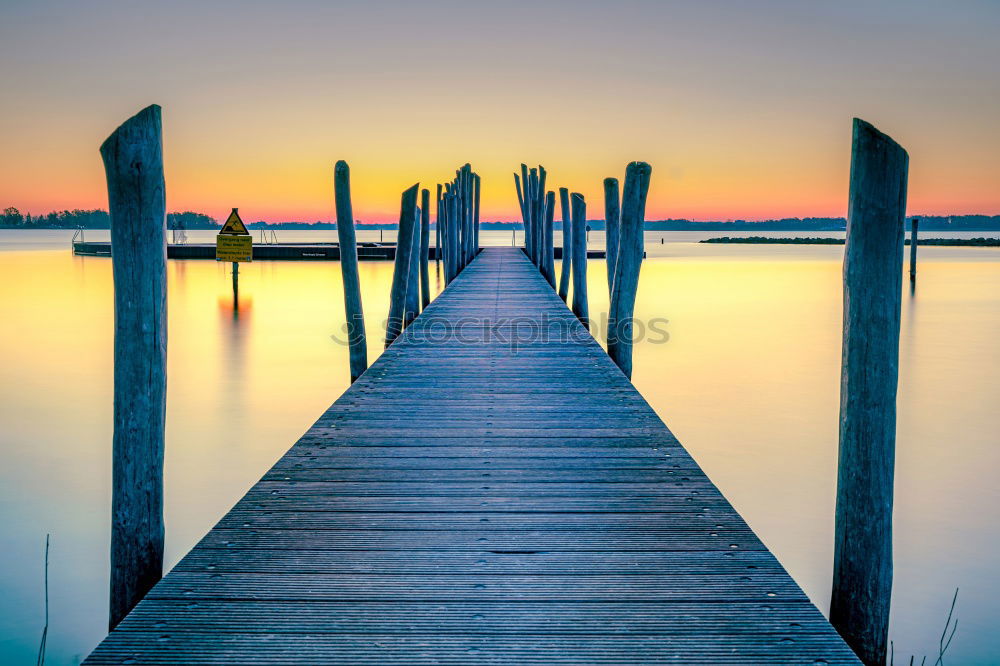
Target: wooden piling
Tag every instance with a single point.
(532, 204)
(914, 224)
(477, 185)
(579, 224)
(873, 257)
(425, 239)
(412, 307)
(626, 272)
(357, 344)
(133, 164)
(453, 230)
(567, 244)
(539, 241)
(437, 228)
(612, 211)
(548, 251)
(526, 184)
(401, 268)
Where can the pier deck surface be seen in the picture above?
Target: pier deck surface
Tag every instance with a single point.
(473, 500)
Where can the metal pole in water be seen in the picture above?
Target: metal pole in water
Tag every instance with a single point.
(236, 288)
(873, 259)
(357, 343)
(133, 164)
(914, 224)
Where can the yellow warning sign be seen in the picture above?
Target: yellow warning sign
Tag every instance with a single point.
(234, 242)
(234, 225)
(230, 247)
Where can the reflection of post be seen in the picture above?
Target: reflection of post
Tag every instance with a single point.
(873, 259)
(914, 223)
(580, 259)
(133, 163)
(629, 259)
(236, 289)
(358, 347)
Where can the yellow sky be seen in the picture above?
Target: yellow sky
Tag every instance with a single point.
(742, 112)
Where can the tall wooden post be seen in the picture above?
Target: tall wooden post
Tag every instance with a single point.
(567, 244)
(626, 271)
(580, 308)
(612, 211)
(477, 185)
(873, 259)
(539, 241)
(526, 184)
(425, 239)
(454, 221)
(548, 252)
(524, 211)
(357, 343)
(532, 205)
(401, 268)
(133, 164)
(914, 224)
(412, 307)
(437, 228)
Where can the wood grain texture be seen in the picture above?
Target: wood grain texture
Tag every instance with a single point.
(579, 261)
(133, 164)
(566, 255)
(612, 215)
(873, 270)
(401, 267)
(492, 496)
(625, 284)
(357, 341)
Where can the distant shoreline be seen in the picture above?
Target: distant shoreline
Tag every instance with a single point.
(763, 240)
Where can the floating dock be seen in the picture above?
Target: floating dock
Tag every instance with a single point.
(281, 251)
(485, 493)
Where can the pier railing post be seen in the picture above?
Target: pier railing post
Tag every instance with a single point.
(579, 213)
(439, 214)
(133, 164)
(425, 239)
(914, 225)
(567, 245)
(548, 251)
(412, 308)
(401, 268)
(357, 343)
(626, 272)
(477, 185)
(873, 258)
(612, 212)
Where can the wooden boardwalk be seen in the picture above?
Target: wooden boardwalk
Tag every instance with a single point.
(472, 501)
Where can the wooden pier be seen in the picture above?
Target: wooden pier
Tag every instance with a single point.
(483, 494)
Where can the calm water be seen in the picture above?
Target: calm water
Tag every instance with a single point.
(748, 381)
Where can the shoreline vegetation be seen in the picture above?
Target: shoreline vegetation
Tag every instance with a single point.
(764, 240)
(12, 218)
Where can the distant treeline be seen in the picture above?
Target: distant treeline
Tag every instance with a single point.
(768, 240)
(98, 219)
(12, 218)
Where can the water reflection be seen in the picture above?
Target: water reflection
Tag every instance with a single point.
(748, 380)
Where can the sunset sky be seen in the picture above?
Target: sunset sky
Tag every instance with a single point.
(743, 108)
